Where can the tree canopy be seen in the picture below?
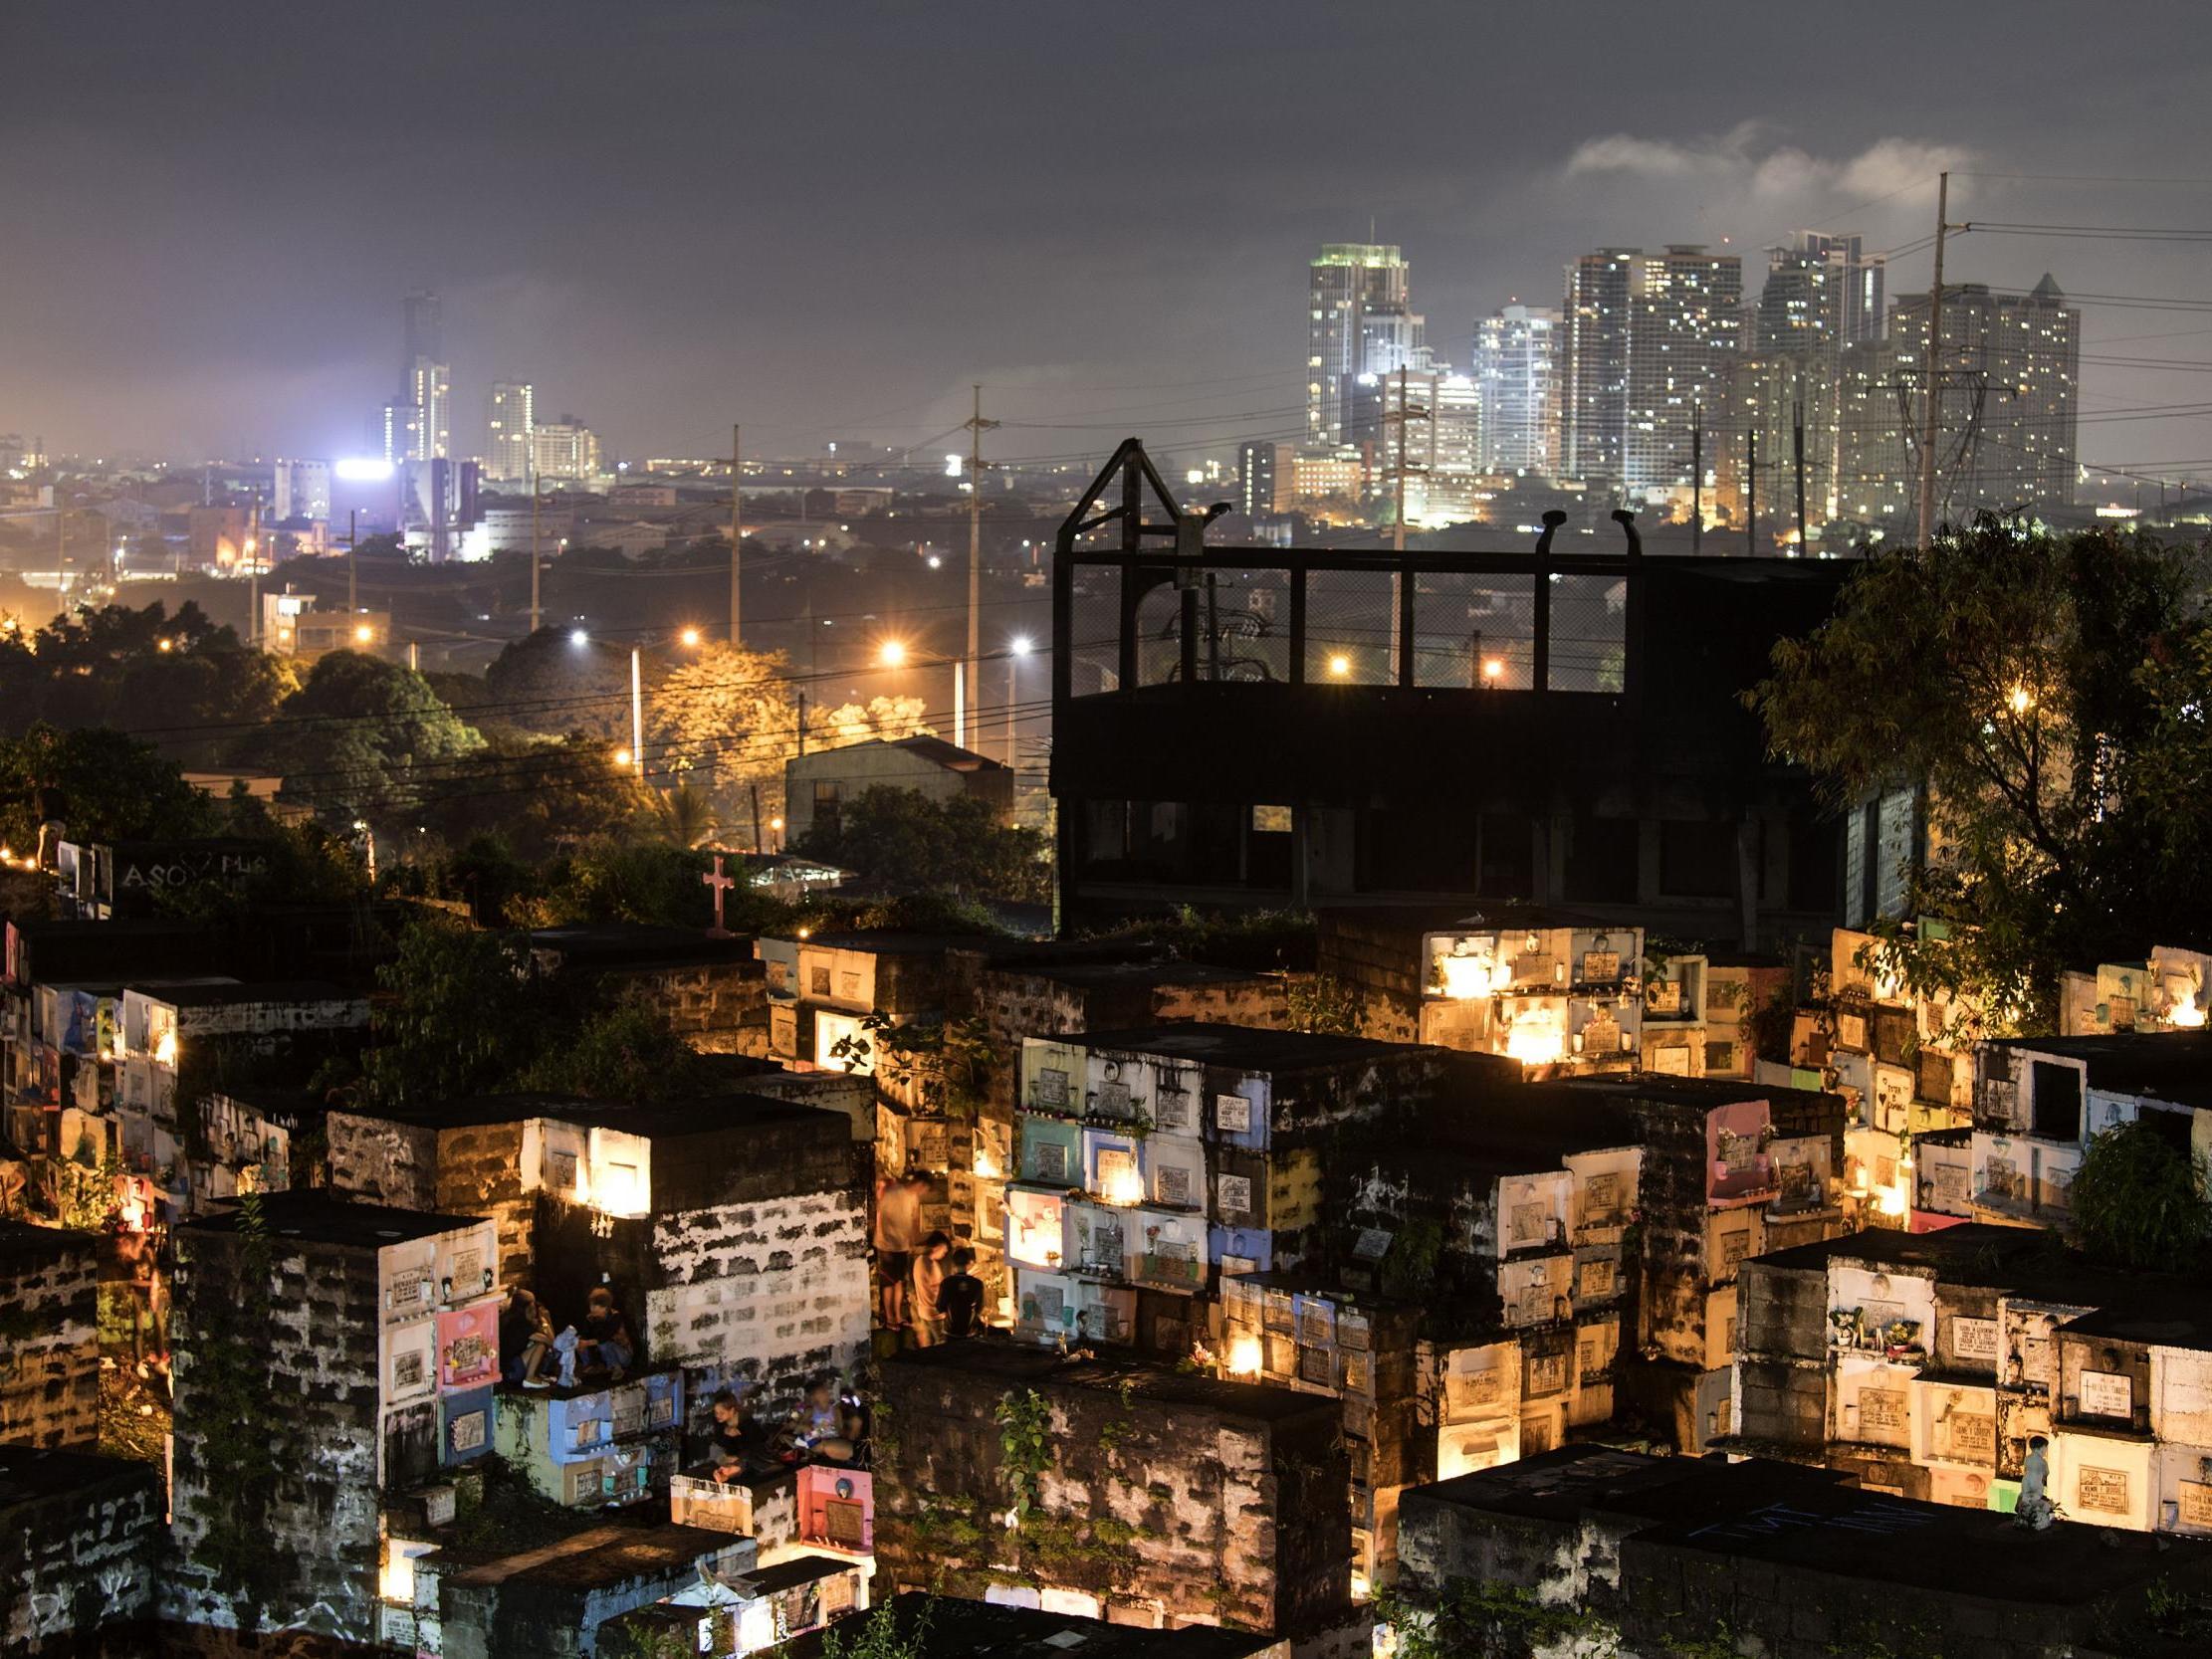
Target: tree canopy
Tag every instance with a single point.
(958, 844)
(363, 734)
(2139, 1200)
(180, 679)
(547, 682)
(2048, 697)
(464, 1014)
(101, 784)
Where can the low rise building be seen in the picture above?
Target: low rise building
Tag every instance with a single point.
(1015, 1624)
(81, 1541)
(818, 785)
(49, 1331)
(358, 1346)
(1141, 1495)
(1152, 1164)
(1727, 1171)
(1618, 1551)
(1928, 1363)
(732, 1229)
(711, 991)
(2039, 1101)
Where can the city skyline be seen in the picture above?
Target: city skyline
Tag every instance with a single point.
(659, 346)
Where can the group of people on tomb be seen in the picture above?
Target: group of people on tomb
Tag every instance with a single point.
(598, 1349)
(927, 1289)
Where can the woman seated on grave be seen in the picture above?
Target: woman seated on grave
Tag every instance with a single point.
(736, 1445)
(817, 1431)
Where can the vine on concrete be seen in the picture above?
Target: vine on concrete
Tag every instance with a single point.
(234, 1402)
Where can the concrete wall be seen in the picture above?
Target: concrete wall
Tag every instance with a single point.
(49, 1337)
(1781, 1395)
(716, 1007)
(79, 1539)
(761, 1294)
(1172, 1499)
(316, 1323)
(474, 1169)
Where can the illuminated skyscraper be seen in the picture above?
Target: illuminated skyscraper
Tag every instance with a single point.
(1650, 339)
(511, 425)
(1822, 291)
(1594, 365)
(2011, 371)
(568, 452)
(417, 425)
(1359, 323)
(300, 489)
(1514, 379)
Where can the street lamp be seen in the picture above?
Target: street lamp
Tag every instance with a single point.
(1017, 648)
(364, 632)
(690, 636)
(1339, 666)
(892, 653)
(577, 636)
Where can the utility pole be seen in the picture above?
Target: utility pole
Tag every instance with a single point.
(1696, 475)
(1797, 456)
(534, 615)
(801, 726)
(737, 528)
(352, 561)
(1932, 395)
(977, 427)
(637, 716)
(1751, 493)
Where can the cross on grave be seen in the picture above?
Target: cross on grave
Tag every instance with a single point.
(720, 883)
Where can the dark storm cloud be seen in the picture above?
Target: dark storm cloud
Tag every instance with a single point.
(824, 216)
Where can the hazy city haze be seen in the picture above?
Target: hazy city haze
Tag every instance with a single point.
(826, 220)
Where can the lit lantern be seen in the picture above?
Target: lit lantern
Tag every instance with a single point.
(1466, 977)
(1120, 1182)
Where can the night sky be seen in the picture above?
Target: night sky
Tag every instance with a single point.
(827, 218)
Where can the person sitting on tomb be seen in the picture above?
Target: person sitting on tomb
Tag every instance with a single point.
(526, 1335)
(735, 1443)
(603, 1340)
(815, 1431)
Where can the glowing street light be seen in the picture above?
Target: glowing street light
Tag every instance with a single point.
(1339, 666)
(2022, 699)
(690, 636)
(1019, 645)
(577, 636)
(622, 757)
(1493, 670)
(892, 653)
(364, 632)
